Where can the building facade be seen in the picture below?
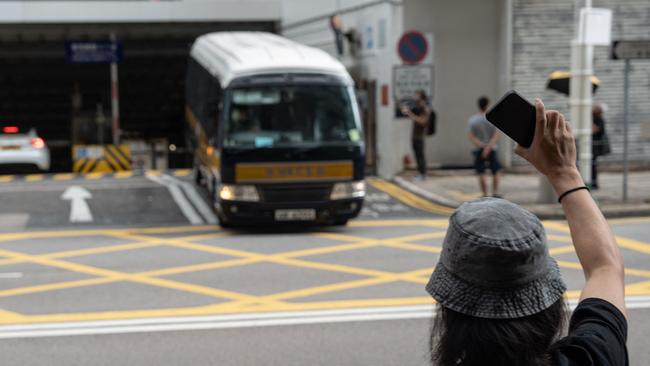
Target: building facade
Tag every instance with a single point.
(479, 47)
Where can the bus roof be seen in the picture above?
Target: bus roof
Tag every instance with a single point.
(229, 55)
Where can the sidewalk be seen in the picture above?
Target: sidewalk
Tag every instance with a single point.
(453, 187)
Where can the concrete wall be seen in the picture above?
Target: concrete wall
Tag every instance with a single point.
(466, 66)
(138, 11)
(541, 44)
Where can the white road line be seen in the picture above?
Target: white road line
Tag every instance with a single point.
(237, 321)
(195, 198)
(10, 275)
(181, 201)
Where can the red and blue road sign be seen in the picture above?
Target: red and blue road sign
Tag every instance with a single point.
(412, 47)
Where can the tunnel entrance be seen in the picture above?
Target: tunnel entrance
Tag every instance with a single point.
(67, 103)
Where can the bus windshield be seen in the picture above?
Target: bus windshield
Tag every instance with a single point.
(281, 115)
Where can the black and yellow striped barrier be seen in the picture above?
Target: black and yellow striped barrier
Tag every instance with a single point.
(101, 158)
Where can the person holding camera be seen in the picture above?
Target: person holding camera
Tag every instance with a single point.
(500, 294)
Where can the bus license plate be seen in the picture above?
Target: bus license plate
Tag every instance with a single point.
(295, 215)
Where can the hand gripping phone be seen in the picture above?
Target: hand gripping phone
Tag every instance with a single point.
(515, 117)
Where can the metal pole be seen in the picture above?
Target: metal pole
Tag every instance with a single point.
(580, 98)
(115, 98)
(626, 101)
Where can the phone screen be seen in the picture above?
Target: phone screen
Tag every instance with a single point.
(515, 117)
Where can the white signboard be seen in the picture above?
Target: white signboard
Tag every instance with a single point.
(595, 26)
(409, 79)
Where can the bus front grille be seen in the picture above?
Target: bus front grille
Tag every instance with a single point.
(295, 193)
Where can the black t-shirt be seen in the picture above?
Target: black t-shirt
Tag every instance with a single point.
(597, 336)
(418, 129)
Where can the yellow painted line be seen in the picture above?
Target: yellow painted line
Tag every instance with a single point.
(332, 267)
(623, 242)
(629, 221)
(328, 249)
(423, 236)
(201, 267)
(561, 238)
(193, 246)
(56, 286)
(94, 176)
(34, 177)
(410, 246)
(637, 272)
(212, 235)
(100, 250)
(153, 173)
(384, 223)
(101, 232)
(561, 250)
(11, 316)
(182, 172)
(64, 176)
(6, 178)
(173, 230)
(8, 261)
(409, 198)
(463, 196)
(570, 265)
(633, 244)
(123, 175)
(328, 288)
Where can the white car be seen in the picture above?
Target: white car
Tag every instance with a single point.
(18, 148)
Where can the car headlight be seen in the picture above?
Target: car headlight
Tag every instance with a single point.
(348, 190)
(229, 192)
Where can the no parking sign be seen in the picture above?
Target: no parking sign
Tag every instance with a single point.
(413, 47)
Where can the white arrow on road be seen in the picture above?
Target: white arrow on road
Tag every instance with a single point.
(79, 212)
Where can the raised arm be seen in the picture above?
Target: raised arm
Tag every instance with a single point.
(553, 153)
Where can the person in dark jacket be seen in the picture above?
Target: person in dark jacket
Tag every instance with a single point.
(500, 294)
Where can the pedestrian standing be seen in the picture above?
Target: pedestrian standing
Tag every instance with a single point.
(419, 115)
(484, 136)
(500, 294)
(599, 141)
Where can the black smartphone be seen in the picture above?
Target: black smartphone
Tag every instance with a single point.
(515, 117)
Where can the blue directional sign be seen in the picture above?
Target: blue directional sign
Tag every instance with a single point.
(96, 52)
(412, 47)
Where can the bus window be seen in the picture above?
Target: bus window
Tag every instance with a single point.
(281, 115)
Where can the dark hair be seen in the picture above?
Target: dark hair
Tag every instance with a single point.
(463, 340)
(421, 94)
(483, 102)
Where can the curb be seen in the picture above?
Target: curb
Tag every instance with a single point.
(434, 198)
(543, 211)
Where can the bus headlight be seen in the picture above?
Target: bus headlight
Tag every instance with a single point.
(229, 192)
(348, 190)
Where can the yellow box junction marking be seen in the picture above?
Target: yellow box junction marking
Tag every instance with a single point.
(294, 172)
(240, 302)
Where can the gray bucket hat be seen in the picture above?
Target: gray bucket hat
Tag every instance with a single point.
(495, 263)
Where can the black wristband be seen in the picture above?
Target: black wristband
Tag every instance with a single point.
(559, 199)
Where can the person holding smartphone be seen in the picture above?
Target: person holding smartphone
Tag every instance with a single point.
(500, 294)
(419, 114)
